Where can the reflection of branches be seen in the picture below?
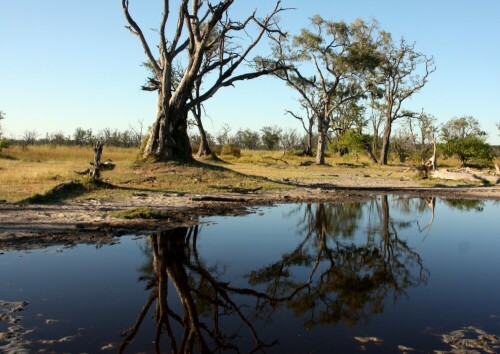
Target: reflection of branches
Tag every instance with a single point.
(345, 281)
(329, 277)
(205, 300)
(431, 202)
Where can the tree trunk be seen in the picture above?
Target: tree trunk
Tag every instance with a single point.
(309, 147)
(204, 149)
(168, 138)
(369, 152)
(322, 140)
(384, 153)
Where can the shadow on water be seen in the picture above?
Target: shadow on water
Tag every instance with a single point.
(329, 277)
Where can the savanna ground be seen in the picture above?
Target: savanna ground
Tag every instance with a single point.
(41, 195)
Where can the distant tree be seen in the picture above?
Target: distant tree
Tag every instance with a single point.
(340, 54)
(223, 136)
(270, 137)
(200, 27)
(420, 133)
(353, 141)
(3, 143)
(57, 138)
(289, 139)
(2, 116)
(402, 72)
(464, 139)
(29, 137)
(247, 139)
(137, 132)
(307, 122)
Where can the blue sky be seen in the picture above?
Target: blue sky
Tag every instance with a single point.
(68, 63)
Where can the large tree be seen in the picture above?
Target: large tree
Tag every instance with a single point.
(402, 72)
(199, 27)
(328, 65)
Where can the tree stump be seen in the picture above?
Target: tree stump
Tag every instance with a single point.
(95, 170)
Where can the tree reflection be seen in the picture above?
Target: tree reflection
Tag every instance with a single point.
(346, 280)
(341, 270)
(204, 299)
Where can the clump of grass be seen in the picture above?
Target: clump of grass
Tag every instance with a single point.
(138, 213)
(67, 190)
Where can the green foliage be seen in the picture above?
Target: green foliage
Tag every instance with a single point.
(231, 149)
(247, 139)
(138, 213)
(471, 147)
(270, 137)
(465, 140)
(353, 141)
(4, 144)
(465, 204)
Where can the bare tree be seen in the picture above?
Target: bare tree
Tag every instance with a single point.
(29, 137)
(200, 26)
(307, 122)
(402, 73)
(138, 131)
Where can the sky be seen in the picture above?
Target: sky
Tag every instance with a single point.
(67, 63)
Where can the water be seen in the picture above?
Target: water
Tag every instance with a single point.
(377, 276)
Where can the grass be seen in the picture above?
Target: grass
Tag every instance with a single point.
(138, 213)
(41, 173)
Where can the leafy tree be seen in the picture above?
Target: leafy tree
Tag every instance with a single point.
(339, 54)
(402, 72)
(200, 27)
(270, 137)
(464, 139)
(247, 139)
(354, 142)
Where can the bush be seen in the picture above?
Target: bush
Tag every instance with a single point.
(4, 144)
(231, 149)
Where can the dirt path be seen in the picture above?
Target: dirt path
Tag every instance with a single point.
(87, 220)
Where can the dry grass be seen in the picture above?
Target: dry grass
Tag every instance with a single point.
(37, 170)
(24, 172)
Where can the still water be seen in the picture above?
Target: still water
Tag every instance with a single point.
(391, 275)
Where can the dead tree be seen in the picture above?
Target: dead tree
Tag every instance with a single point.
(431, 164)
(94, 171)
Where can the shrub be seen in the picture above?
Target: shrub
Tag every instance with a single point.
(231, 149)
(4, 144)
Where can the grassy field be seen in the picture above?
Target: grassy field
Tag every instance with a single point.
(38, 169)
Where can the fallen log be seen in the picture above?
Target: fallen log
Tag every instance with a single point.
(467, 175)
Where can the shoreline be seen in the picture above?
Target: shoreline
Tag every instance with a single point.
(87, 220)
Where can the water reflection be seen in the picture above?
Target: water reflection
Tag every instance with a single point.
(345, 280)
(205, 299)
(341, 270)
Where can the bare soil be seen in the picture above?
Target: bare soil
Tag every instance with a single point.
(87, 220)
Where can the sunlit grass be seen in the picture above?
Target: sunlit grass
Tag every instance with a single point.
(38, 169)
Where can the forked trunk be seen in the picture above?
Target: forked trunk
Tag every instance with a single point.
(168, 138)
